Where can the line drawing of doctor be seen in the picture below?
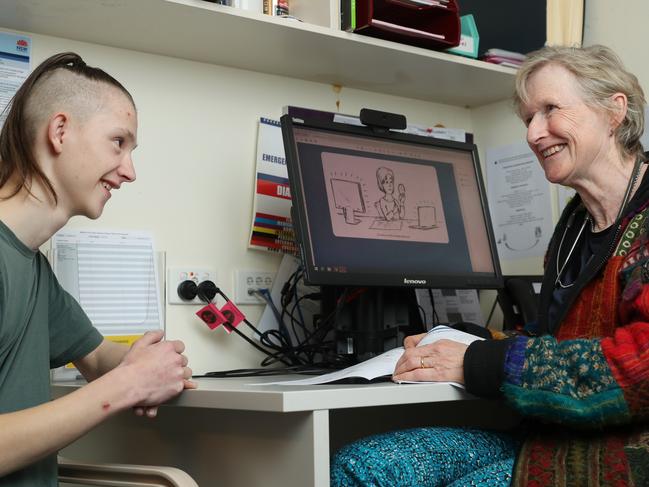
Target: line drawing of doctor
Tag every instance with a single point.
(389, 207)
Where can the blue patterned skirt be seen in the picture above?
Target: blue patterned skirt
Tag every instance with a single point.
(427, 457)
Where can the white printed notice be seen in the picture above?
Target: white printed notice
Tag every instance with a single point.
(519, 202)
(15, 55)
(114, 277)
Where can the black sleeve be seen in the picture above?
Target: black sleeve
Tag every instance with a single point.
(484, 364)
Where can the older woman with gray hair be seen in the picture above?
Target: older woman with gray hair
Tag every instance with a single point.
(579, 374)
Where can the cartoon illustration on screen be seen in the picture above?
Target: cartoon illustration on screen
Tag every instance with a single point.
(389, 207)
(381, 199)
(348, 198)
(426, 218)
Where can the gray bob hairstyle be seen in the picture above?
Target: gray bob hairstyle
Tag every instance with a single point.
(600, 74)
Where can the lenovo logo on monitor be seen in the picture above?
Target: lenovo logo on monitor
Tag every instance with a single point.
(413, 281)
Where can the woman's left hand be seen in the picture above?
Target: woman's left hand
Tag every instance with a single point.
(442, 361)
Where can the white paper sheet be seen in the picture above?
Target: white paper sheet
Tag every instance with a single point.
(382, 365)
(519, 202)
(113, 276)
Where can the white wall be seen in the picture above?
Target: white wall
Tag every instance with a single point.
(621, 26)
(196, 163)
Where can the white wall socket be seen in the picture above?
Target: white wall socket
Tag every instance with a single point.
(176, 275)
(245, 280)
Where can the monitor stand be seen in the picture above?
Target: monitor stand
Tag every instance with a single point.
(350, 218)
(372, 320)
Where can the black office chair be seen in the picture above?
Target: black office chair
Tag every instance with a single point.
(519, 300)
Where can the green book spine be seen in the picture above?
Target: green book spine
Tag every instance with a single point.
(353, 14)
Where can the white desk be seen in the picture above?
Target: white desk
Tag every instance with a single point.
(230, 433)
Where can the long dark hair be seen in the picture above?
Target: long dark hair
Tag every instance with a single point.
(16, 143)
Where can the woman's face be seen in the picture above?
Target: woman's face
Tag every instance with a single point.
(568, 137)
(388, 183)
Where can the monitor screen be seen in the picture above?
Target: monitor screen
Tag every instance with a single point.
(387, 208)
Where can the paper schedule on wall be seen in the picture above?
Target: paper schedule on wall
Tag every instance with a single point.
(113, 276)
(271, 227)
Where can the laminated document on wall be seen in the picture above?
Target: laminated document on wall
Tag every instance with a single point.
(271, 227)
(15, 60)
(519, 202)
(114, 277)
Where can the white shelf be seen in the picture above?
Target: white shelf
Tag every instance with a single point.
(215, 34)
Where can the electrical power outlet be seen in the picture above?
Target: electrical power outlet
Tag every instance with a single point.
(176, 275)
(248, 280)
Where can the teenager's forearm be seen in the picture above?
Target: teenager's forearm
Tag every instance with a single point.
(102, 360)
(30, 434)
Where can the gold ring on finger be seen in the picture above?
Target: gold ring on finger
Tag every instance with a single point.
(421, 362)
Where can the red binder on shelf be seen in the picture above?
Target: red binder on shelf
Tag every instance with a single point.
(433, 24)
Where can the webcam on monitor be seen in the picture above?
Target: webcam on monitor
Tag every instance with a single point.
(382, 120)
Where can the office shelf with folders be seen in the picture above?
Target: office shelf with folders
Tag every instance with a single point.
(432, 24)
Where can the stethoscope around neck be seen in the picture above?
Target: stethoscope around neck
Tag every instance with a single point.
(587, 219)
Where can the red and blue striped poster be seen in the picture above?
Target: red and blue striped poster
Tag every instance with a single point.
(271, 227)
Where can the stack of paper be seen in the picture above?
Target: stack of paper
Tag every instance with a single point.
(504, 58)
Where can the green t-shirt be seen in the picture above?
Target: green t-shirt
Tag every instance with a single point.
(41, 327)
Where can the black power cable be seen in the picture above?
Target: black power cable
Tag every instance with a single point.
(301, 355)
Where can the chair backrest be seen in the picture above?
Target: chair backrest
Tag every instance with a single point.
(121, 475)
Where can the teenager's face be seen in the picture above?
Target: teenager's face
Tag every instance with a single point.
(98, 159)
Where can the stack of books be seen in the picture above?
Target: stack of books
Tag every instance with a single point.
(277, 8)
(504, 58)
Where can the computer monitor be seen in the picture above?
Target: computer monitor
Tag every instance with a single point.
(387, 211)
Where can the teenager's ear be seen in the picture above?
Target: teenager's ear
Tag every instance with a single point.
(57, 131)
